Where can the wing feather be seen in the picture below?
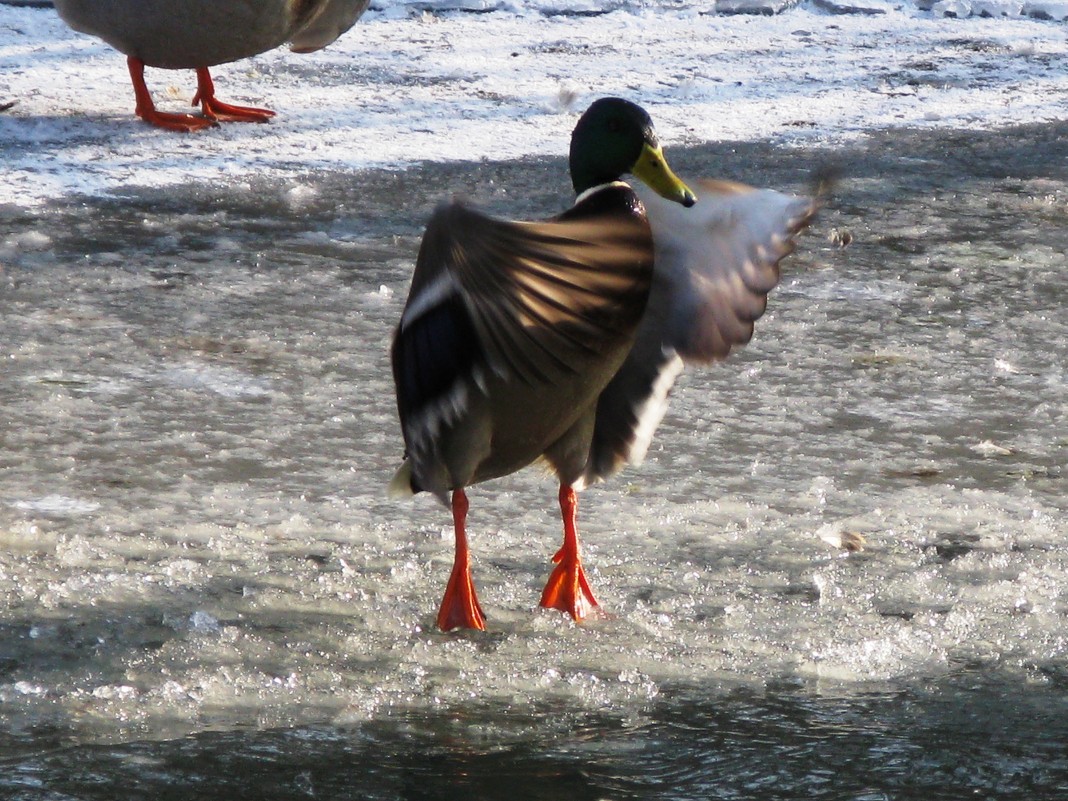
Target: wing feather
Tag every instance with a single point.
(544, 297)
(715, 265)
(536, 303)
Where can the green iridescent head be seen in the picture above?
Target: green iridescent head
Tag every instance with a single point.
(616, 137)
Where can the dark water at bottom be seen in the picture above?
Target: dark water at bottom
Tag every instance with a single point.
(961, 737)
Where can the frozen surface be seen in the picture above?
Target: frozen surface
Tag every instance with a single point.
(203, 584)
(199, 426)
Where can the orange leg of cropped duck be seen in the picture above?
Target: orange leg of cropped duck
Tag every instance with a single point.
(215, 109)
(146, 109)
(568, 589)
(459, 607)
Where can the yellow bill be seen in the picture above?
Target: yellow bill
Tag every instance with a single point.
(654, 172)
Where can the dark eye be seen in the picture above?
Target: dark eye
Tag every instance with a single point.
(615, 126)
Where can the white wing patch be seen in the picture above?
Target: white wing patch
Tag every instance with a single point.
(650, 412)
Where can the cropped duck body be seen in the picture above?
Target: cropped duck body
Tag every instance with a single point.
(210, 31)
(198, 34)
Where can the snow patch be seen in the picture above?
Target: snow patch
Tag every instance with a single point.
(414, 82)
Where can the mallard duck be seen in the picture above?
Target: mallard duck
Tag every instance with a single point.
(558, 341)
(198, 34)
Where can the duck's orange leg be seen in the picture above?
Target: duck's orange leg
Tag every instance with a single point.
(146, 109)
(459, 607)
(568, 589)
(215, 109)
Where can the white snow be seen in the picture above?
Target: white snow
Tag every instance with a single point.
(407, 85)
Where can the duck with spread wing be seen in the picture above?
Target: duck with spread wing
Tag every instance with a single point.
(559, 341)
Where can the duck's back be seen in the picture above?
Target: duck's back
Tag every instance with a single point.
(185, 34)
(555, 421)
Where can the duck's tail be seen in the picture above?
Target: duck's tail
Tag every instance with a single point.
(401, 485)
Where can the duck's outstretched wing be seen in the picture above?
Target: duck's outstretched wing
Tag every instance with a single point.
(715, 264)
(526, 302)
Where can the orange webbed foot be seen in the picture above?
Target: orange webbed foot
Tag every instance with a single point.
(216, 109)
(185, 123)
(146, 109)
(568, 589)
(460, 607)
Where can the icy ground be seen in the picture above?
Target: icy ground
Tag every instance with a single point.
(405, 86)
(197, 416)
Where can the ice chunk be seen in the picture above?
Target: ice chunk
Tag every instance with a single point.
(57, 506)
(205, 622)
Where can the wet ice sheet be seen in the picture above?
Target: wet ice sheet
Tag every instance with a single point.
(402, 87)
(199, 426)
(961, 736)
